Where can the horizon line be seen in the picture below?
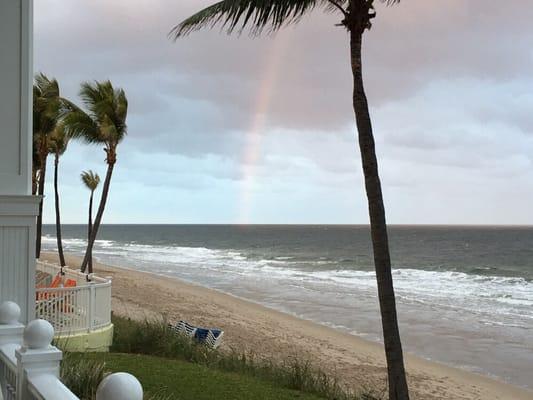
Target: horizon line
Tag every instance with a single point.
(306, 224)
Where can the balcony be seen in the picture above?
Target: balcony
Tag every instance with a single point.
(79, 311)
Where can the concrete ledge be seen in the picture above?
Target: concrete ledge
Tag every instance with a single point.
(95, 341)
(19, 206)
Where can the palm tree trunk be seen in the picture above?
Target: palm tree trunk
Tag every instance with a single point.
(58, 216)
(398, 389)
(89, 229)
(99, 214)
(39, 232)
(34, 181)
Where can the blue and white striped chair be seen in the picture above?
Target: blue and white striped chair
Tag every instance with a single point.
(210, 337)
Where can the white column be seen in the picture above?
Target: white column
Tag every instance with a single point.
(17, 207)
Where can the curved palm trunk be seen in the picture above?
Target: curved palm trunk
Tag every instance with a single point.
(89, 230)
(39, 232)
(99, 214)
(398, 389)
(58, 216)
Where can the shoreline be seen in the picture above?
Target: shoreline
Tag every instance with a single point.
(357, 362)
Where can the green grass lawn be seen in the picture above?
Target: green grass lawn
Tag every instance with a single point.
(181, 380)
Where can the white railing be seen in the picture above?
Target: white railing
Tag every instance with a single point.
(84, 307)
(29, 364)
(70, 273)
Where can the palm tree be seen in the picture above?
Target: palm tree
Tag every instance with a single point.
(58, 142)
(46, 112)
(103, 123)
(91, 181)
(356, 19)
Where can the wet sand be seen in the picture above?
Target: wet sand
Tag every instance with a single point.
(272, 334)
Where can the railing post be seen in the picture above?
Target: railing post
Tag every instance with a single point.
(36, 356)
(120, 386)
(92, 306)
(10, 328)
(10, 334)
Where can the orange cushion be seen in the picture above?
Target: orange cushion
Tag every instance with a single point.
(70, 283)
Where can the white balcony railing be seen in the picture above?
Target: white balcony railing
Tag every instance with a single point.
(29, 364)
(83, 307)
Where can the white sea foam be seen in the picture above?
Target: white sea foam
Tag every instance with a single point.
(450, 289)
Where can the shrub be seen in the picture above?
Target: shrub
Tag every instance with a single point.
(82, 375)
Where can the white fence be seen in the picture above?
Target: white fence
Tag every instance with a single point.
(83, 307)
(29, 364)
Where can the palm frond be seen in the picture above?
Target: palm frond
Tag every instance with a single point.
(46, 106)
(47, 87)
(58, 140)
(254, 14)
(90, 179)
(105, 119)
(79, 125)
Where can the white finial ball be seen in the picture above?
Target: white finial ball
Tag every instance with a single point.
(38, 334)
(120, 386)
(9, 313)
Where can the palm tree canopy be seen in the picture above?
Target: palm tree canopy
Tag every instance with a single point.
(260, 14)
(58, 140)
(90, 179)
(48, 88)
(104, 120)
(46, 105)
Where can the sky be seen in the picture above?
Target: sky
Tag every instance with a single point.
(234, 129)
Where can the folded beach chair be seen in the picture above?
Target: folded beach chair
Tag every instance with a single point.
(210, 337)
(214, 338)
(56, 282)
(183, 328)
(70, 283)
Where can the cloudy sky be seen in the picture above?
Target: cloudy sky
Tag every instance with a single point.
(228, 129)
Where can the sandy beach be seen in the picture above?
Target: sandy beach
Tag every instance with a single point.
(269, 333)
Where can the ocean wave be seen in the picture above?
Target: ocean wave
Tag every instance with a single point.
(473, 293)
(73, 243)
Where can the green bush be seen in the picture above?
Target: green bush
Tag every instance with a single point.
(82, 375)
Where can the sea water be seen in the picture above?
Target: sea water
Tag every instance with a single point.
(464, 294)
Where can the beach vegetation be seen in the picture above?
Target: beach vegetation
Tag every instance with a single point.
(155, 338)
(91, 180)
(46, 115)
(82, 374)
(171, 379)
(356, 18)
(58, 143)
(102, 122)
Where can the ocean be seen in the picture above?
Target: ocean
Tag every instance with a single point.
(464, 294)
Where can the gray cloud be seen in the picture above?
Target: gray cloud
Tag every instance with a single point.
(410, 46)
(448, 83)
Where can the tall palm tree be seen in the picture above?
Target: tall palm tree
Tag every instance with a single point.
(46, 113)
(91, 181)
(103, 123)
(58, 142)
(356, 17)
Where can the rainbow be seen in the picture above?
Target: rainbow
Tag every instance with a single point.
(253, 137)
